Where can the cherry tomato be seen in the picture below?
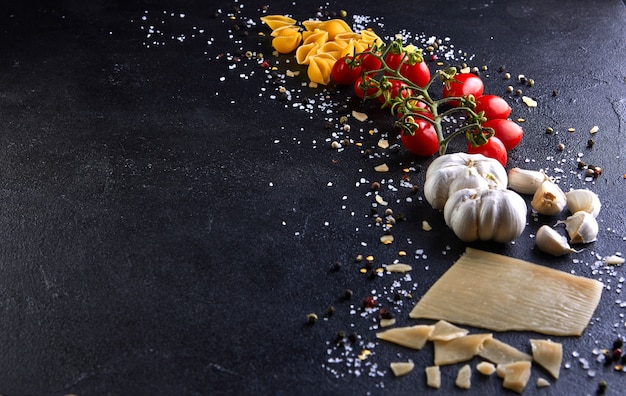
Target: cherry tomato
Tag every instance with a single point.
(418, 74)
(424, 141)
(360, 91)
(507, 131)
(397, 88)
(493, 106)
(343, 74)
(494, 148)
(393, 60)
(465, 84)
(369, 62)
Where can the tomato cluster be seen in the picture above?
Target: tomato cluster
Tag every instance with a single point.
(400, 79)
(501, 133)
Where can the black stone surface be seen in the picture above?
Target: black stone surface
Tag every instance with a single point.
(166, 224)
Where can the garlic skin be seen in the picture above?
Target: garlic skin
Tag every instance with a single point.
(452, 172)
(584, 200)
(487, 214)
(581, 227)
(549, 199)
(525, 181)
(551, 242)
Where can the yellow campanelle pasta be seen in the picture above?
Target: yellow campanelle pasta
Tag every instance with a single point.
(320, 45)
(335, 27)
(320, 66)
(276, 21)
(305, 51)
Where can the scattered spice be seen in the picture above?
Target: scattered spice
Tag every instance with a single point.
(311, 318)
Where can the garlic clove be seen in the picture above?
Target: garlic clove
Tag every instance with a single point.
(581, 227)
(550, 241)
(584, 200)
(525, 181)
(549, 199)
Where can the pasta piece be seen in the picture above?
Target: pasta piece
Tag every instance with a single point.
(501, 293)
(459, 349)
(414, 337)
(499, 352)
(515, 375)
(548, 355)
(401, 368)
(433, 376)
(276, 21)
(464, 377)
(446, 331)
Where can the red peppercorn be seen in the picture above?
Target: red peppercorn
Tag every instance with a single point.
(434, 57)
(369, 302)
(617, 353)
(265, 65)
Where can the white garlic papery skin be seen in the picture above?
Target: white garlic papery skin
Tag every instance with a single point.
(549, 199)
(452, 172)
(584, 200)
(581, 227)
(550, 241)
(525, 181)
(488, 214)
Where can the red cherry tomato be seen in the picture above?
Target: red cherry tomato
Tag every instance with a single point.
(393, 61)
(424, 141)
(507, 131)
(343, 74)
(397, 88)
(465, 84)
(369, 88)
(418, 74)
(369, 62)
(493, 106)
(494, 148)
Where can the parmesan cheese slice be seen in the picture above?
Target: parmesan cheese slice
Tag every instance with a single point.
(515, 375)
(548, 355)
(459, 349)
(414, 337)
(499, 352)
(433, 376)
(501, 293)
(446, 331)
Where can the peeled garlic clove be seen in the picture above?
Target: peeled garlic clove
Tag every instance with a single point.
(549, 199)
(551, 242)
(581, 227)
(584, 200)
(525, 181)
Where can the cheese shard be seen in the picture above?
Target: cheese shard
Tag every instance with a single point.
(464, 377)
(515, 375)
(459, 349)
(542, 382)
(414, 337)
(446, 331)
(500, 352)
(433, 376)
(501, 293)
(401, 368)
(548, 355)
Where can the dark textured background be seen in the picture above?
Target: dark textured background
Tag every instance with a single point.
(163, 231)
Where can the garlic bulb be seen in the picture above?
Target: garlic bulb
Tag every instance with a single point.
(452, 172)
(549, 199)
(551, 242)
(487, 214)
(525, 181)
(584, 200)
(581, 227)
